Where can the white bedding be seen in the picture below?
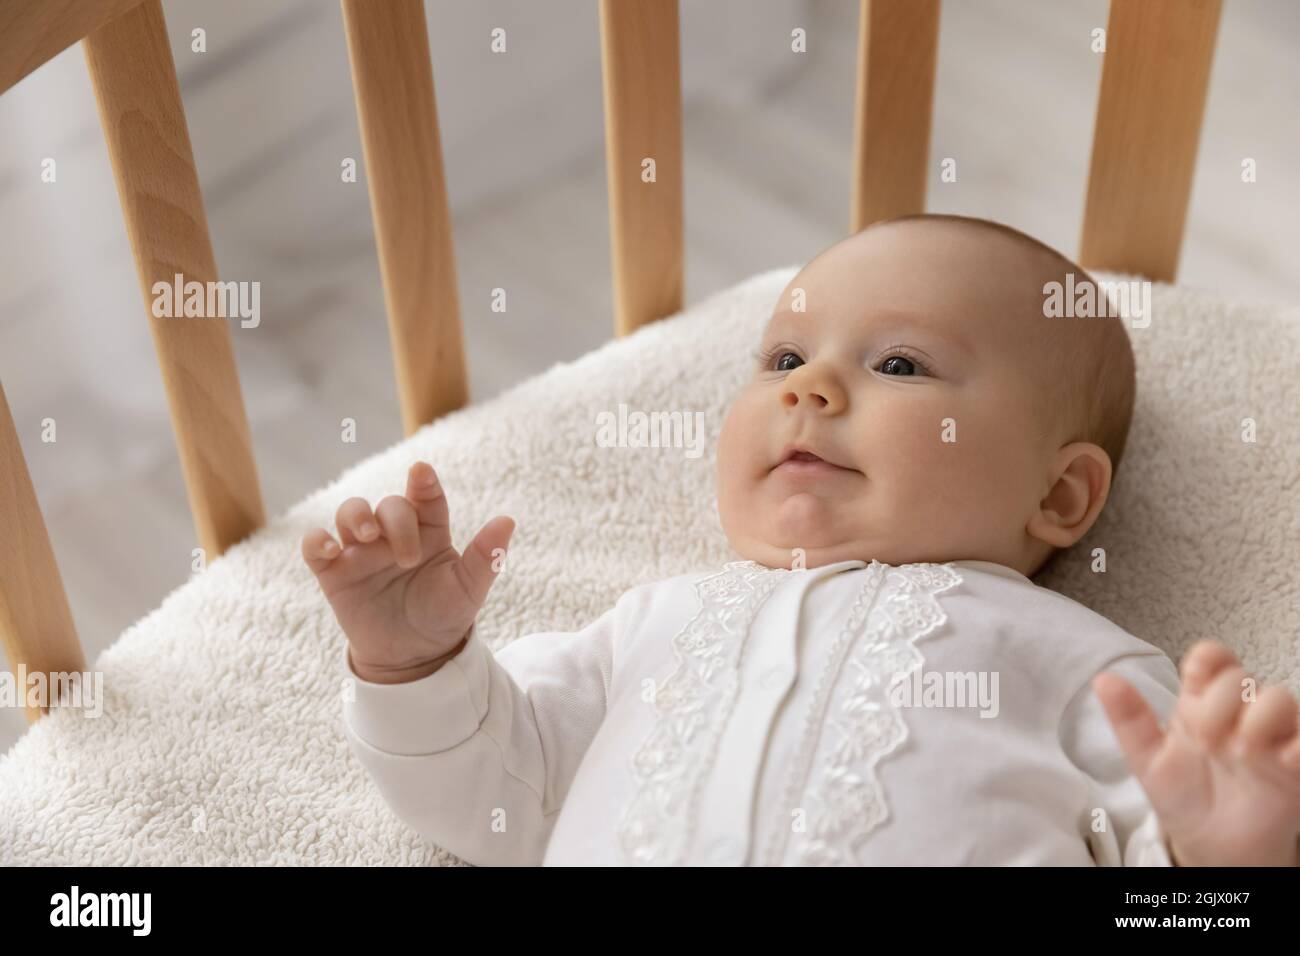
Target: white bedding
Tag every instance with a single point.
(220, 740)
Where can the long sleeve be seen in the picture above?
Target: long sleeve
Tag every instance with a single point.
(1121, 827)
(478, 756)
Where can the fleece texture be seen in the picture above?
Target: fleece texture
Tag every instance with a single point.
(221, 742)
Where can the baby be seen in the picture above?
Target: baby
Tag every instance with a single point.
(877, 681)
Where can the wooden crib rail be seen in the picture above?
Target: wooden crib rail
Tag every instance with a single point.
(641, 69)
(898, 43)
(1153, 88)
(32, 32)
(134, 78)
(36, 625)
(388, 46)
(140, 109)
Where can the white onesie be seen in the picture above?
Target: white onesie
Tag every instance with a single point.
(851, 714)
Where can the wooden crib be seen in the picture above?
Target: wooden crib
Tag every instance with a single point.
(1152, 96)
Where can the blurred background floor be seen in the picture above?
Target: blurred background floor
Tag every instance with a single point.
(768, 142)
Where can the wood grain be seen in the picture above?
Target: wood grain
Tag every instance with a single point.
(898, 44)
(36, 624)
(140, 109)
(641, 70)
(392, 76)
(32, 32)
(1153, 88)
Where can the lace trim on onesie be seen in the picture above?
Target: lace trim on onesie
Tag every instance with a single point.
(851, 724)
(693, 704)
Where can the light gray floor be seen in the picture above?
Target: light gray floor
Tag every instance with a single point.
(767, 140)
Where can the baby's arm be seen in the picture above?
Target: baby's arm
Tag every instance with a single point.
(474, 753)
(1123, 829)
(478, 756)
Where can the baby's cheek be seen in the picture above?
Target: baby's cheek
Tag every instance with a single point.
(987, 466)
(730, 434)
(737, 448)
(939, 455)
(913, 437)
(727, 466)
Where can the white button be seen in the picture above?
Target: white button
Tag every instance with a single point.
(774, 677)
(726, 851)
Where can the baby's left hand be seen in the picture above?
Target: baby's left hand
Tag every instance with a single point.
(1224, 777)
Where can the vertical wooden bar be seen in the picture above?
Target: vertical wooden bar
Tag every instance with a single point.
(1153, 88)
(36, 625)
(641, 68)
(392, 75)
(898, 43)
(143, 118)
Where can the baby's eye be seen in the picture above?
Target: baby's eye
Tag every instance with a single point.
(898, 365)
(778, 358)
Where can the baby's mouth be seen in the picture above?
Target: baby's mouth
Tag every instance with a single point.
(804, 456)
(801, 461)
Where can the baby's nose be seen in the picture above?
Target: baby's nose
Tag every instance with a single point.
(815, 388)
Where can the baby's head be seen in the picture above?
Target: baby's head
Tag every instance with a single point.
(916, 356)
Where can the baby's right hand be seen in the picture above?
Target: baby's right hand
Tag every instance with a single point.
(402, 594)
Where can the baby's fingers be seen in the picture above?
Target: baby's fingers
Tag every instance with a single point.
(1135, 724)
(1204, 662)
(480, 563)
(1213, 715)
(401, 527)
(319, 549)
(1267, 723)
(425, 492)
(356, 522)
(1290, 755)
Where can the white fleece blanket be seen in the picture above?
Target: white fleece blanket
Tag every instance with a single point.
(220, 740)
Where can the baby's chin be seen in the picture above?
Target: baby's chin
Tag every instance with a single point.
(806, 520)
(802, 530)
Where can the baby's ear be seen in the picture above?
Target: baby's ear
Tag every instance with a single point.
(1079, 486)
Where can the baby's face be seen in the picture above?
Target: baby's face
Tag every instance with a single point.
(916, 377)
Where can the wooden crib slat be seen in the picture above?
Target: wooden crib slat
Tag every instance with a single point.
(33, 32)
(641, 68)
(898, 42)
(143, 119)
(392, 75)
(1153, 88)
(36, 625)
